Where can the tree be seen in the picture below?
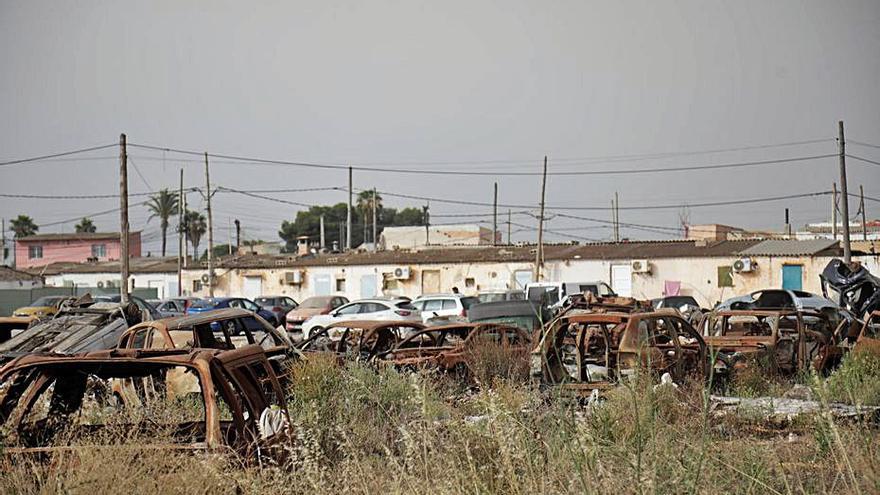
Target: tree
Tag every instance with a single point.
(85, 226)
(409, 216)
(23, 226)
(163, 205)
(195, 226)
(365, 206)
(308, 223)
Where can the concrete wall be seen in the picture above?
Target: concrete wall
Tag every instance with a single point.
(164, 283)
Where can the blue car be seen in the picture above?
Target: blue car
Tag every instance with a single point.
(213, 303)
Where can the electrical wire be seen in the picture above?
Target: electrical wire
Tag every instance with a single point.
(859, 143)
(863, 159)
(56, 155)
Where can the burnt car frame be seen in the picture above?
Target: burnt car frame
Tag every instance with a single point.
(48, 403)
(361, 340)
(592, 351)
(787, 340)
(447, 347)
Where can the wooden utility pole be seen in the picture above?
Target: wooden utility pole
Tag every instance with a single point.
(864, 215)
(508, 227)
(180, 204)
(427, 217)
(847, 251)
(539, 251)
(185, 234)
(834, 211)
(348, 215)
(123, 220)
(322, 232)
(229, 235)
(375, 244)
(237, 235)
(495, 217)
(210, 230)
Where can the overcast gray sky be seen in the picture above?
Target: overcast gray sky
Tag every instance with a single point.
(407, 84)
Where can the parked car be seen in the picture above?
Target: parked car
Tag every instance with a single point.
(592, 351)
(777, 299)
(555, 295)
(167, 308)
(211, 304)
(500, 295)
(444, 307)
(42, 308)
(446, 347)
(395, 309)
(524, 314)
(230, 328)
(278, 305)
(206, 400)
(316, 305)
(786, 341)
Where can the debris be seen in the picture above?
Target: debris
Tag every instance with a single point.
(780, 409)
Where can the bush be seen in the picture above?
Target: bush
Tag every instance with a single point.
(857, 381)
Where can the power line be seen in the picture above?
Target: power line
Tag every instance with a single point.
(267, 198)
(859, 143)
(468, 172)
(56, 155)
(863, 159)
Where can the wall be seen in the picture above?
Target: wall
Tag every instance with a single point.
(72, 250)
(164, 283)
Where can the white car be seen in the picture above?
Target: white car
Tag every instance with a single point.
(444, 307)
(398, 309)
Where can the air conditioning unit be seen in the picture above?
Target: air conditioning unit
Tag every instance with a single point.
(744, 265)
(205, 278)
(640, 266)
(402, 273)
(100, 284)
(293, 278)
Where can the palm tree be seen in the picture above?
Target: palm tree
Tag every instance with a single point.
(85, 226)
(23, 226)
(365, 205)
(163, 205)
(195, 225)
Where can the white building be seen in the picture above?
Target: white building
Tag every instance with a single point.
(435, 235)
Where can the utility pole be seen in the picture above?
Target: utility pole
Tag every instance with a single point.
(3, 235)
(847, 251)
(508, 227)
(123, 220)
(237, 235)
(348, 215)
(322, 232)
(180, 204)
(210, 230)
(185, 234)
(229, 235)
(864, 215)
(495, 217)
(834, 210)
(539, 251)
(427, 217)
(375, 244)
(787, 225)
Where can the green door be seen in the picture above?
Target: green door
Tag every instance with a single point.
(792, 277)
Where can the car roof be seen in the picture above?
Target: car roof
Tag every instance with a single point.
(374, 324)
(381, 300)
(441, 296)
(188, 320)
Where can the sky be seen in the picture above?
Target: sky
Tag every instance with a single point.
(475, 85)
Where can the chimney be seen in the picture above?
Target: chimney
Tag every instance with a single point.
(302, 245)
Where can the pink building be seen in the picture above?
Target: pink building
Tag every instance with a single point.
(44, 249)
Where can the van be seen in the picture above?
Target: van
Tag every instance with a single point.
(556, 294)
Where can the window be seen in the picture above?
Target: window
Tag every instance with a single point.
(350, 309)
(99, 250)
(197, 285)
(725, 276)
(372, 308)
(248, 305)
(340, 285)
(448, 304)
(35, 252)
(470, 283)
(433, 305)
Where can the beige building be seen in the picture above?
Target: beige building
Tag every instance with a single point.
(393, 238)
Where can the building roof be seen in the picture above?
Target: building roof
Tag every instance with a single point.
(76, 236)
(792, 247)
(8, 274)
(147, 264)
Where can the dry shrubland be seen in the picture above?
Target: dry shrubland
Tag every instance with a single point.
(366, 430)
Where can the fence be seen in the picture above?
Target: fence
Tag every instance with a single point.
(10, 299)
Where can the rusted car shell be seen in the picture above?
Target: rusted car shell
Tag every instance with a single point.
(452, 356)
(614, 344)
(212, 367)
(361, 340)
(787, 350)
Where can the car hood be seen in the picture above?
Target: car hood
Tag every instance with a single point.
(303, 313)
(34, 311)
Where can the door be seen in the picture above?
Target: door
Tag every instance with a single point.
(792, 277)
(430, 281)
(253, 287)
(322, 285)
(368, 286)
(621, 280)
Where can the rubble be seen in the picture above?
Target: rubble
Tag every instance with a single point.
(784, 410)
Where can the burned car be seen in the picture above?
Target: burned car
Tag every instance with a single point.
(852, 286)
(222, 329)
(591, 351)
(447, 347)
(785, 340)
(526, 315)
(359, 340)
(199, 400)
(79, 326)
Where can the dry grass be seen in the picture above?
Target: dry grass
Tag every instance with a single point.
(367, 431)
